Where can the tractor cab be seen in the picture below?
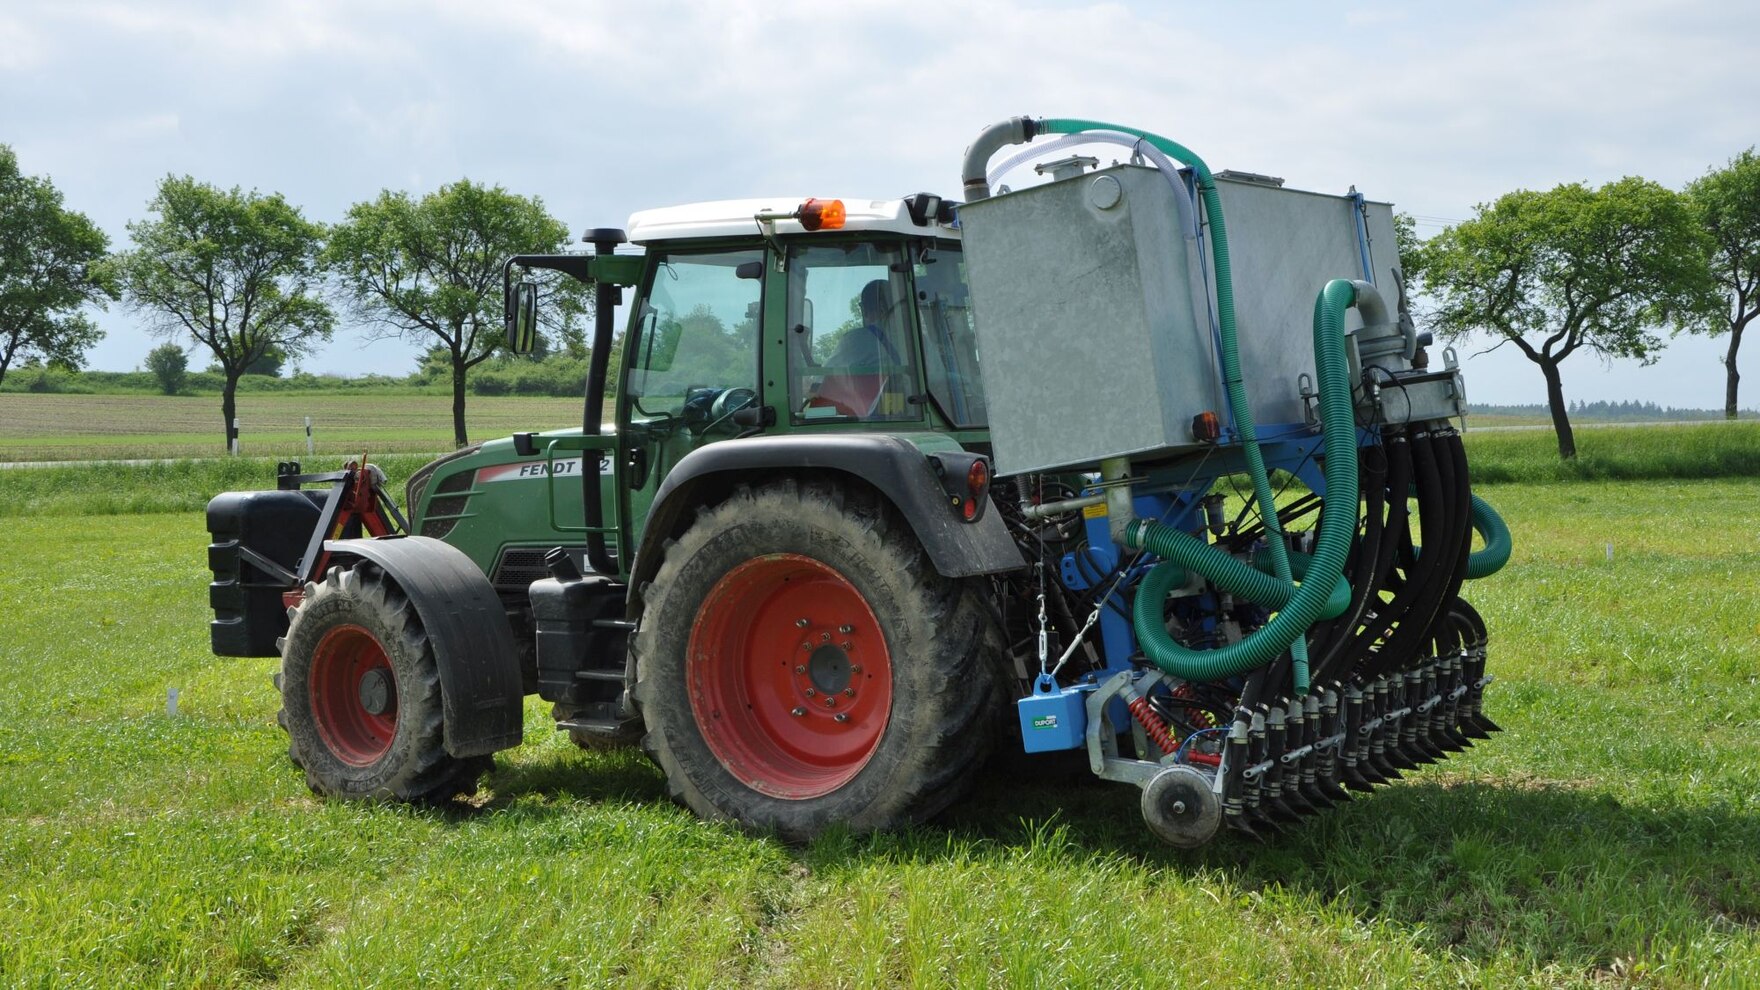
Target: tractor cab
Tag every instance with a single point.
(748, 318)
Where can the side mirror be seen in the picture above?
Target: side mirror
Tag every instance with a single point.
(522, 335)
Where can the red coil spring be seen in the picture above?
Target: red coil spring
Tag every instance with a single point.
(1152, 724)
(1199, 717)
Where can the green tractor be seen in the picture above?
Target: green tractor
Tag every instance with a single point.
(786, 565)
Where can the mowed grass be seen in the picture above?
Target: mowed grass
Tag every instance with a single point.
(1676, 450)
(165, 486)
(55, 427)
(1611, 837)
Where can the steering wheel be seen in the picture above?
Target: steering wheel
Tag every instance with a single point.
(730, 401)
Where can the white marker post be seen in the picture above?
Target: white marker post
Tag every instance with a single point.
(308, 436)
(235, 436)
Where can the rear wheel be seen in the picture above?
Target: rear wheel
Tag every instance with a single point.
(800, 663)
(360, 694)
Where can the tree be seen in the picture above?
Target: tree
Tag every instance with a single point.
(1555, 272)
(170, 366)
(52, 263)
(1410, 247)
(1727, 202)
(429, 270)
(269, 364)
(234, 271)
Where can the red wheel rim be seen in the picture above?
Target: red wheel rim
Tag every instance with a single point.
(789, 676)
(354, 695)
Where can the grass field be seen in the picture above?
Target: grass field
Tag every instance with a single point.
(96, 427)
(58, 427)
(1611, 837)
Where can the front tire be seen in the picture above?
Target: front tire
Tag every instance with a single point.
(800, 663)
(360, 695)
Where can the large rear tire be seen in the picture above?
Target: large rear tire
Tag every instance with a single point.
(360, 695)
(800, 663)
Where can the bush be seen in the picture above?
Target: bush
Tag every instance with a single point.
(169, 366)
(46, 379)
(558, 375)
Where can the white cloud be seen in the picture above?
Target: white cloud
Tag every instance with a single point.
(602, 108)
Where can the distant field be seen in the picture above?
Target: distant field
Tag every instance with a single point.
(59, 427)
(90, 427)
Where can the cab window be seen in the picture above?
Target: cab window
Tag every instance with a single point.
(698, 331)
(950, 348)
(851, 340)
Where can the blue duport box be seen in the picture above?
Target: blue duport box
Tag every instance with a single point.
(1053, 718)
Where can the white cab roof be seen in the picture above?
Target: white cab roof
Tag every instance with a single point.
(734, 218)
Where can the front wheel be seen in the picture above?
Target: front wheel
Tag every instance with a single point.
(360, 694)
(799, 663)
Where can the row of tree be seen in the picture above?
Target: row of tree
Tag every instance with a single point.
(248, 277)
(1605, 270)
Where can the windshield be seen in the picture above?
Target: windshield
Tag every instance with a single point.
(699, 331)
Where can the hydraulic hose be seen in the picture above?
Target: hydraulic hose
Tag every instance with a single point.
(1442, 512)
(1498, 543)
(1235, 386)
(1305, 606)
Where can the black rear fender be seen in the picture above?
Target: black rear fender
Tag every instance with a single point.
(902, 473)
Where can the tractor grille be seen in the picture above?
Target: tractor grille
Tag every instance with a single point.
(519, 567)
(447, 505)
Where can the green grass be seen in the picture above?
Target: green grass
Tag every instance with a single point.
(170, 486)
(1611, 837)
(1699, 450)
(95, 427)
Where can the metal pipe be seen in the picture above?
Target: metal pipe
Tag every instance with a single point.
(1014, 130)
(605, 298)
(1048, 509)
(1115, 472)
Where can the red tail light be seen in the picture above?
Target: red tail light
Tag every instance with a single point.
(965, 479)
(977, 490)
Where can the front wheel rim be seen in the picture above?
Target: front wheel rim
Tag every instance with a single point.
(353, 695)
(789, 675)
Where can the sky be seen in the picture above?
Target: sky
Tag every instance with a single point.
(601, 109)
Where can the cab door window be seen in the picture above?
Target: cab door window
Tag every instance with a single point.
(698, 336)
(950, 347)
(852, 352)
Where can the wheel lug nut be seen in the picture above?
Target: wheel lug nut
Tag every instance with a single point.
(800, 668)
(811, 692)
(798, 712)
(801, 623)
(846, 645)
(840, 717)
(830, 702)
(855, 668)
(849, 692)
(807, 646)
(824, 637)
(846, 629)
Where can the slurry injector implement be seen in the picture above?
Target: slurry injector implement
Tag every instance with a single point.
(1154, 456)
(1261, 669)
